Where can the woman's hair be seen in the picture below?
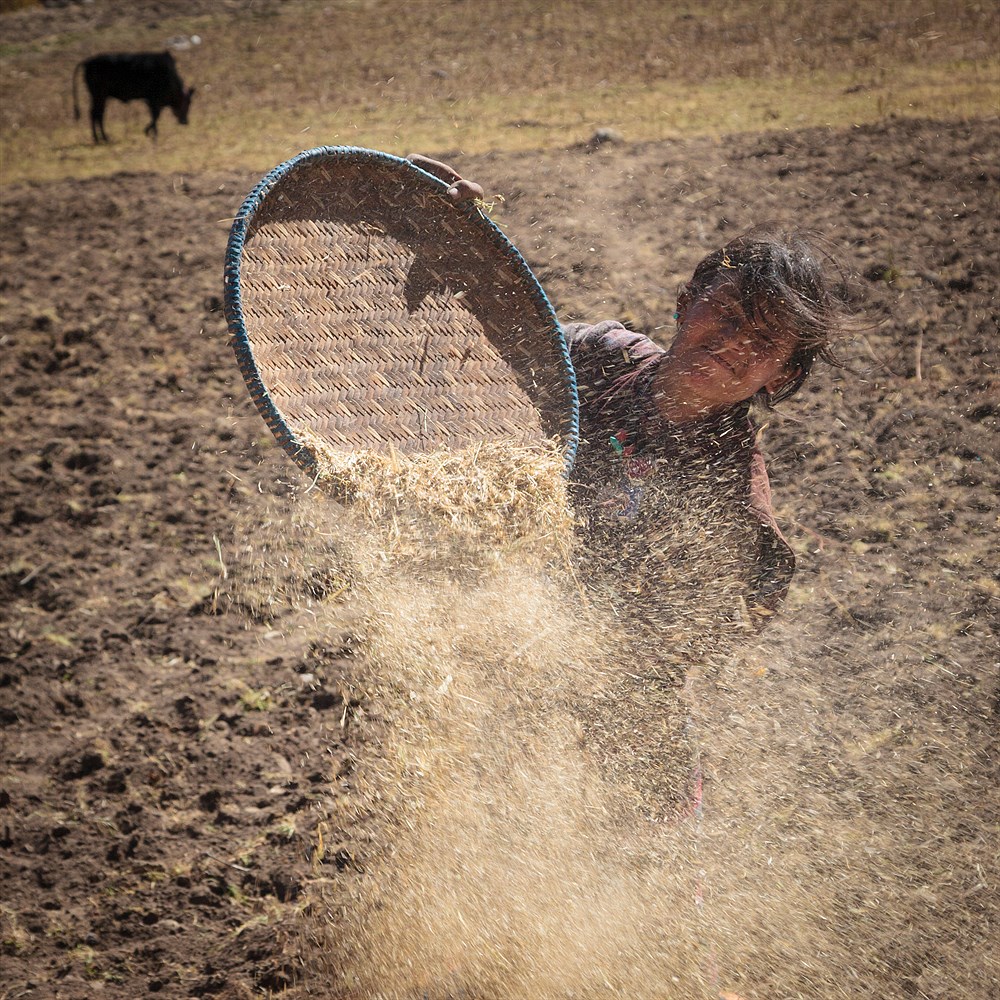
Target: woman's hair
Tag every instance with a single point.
(784, 280)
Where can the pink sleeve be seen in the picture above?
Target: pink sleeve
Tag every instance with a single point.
(760, 492)
(775, 564)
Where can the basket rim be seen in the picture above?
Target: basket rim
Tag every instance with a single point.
(297, 449)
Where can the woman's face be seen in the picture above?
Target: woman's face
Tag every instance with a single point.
(719, 358)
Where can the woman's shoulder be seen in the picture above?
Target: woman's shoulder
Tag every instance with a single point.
(610, 336)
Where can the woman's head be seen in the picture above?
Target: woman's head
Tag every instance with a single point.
(751, 321)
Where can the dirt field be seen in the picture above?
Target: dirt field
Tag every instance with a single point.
(170, 764)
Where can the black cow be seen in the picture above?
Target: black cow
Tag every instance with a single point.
(132, 76)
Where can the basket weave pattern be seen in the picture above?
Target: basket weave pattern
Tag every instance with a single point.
(377, 315)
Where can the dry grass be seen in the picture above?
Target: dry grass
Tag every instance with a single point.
(511, 813)
(495, 493)
(277, 78)
(488, 843)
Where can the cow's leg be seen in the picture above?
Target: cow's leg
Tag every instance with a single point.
(97, 105)
(154, 110)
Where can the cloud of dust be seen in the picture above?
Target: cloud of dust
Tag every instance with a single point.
(522, 768)
(503, 871)
(504, 850)
(843, 855)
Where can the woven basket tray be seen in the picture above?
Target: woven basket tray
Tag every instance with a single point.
(368, 311)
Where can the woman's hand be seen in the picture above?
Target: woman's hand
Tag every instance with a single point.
(459, 189)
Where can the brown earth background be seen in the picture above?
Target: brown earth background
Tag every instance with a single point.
(174, 768)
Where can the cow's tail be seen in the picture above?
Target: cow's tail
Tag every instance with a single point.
(76, 106)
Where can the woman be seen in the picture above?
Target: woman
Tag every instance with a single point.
(750, 323)
(666, 435)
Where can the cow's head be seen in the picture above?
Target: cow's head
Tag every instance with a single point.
(184, 105)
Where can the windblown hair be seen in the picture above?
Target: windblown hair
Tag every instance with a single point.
(785, 279)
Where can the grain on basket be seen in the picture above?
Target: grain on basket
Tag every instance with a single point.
(497, 492)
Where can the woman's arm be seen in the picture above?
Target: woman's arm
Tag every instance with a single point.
(459, 189)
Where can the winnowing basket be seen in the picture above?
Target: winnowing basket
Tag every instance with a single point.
(369, 311)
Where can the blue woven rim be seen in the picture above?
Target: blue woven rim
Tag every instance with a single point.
(259, 393)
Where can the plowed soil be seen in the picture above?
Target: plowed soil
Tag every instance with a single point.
(168, 758)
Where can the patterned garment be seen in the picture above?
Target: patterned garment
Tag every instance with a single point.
(658, 500)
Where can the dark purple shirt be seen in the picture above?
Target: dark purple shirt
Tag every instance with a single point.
(623, 435)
